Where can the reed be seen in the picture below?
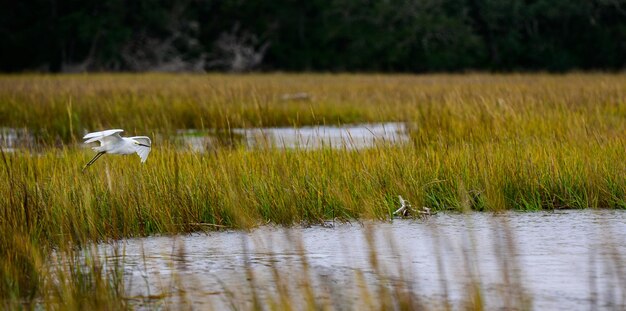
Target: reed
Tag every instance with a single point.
(468, 108)
(179, 191)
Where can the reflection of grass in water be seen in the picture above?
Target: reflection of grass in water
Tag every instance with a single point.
(300, 286)
(211, 140)
(482, 142)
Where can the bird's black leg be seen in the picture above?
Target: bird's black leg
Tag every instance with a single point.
(94, 159)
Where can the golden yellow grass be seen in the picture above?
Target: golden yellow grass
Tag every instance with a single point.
(463, 107)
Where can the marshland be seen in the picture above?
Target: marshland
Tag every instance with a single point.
(521, 172)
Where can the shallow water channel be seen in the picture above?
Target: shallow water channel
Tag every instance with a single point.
(349, 136)
(355, 136)
(562, 260)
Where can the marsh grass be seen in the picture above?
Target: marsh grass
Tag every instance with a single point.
(477, 142)
(445, 108)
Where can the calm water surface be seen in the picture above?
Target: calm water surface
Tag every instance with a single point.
(355, 136)
(565, 260)
(351, 136)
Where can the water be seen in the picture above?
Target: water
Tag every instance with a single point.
(568, 260)
(357, 136)
(13, 138)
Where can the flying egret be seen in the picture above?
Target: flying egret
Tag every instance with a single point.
(112, 142)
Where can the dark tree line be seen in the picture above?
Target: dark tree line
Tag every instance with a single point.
(315, 35)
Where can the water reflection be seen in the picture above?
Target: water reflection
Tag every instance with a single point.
(557, 260)
(357, 136)
(12, 139)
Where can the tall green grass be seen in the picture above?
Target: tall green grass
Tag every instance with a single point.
(180, 191)
(481, 142)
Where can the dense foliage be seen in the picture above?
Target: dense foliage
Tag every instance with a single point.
(335, 35)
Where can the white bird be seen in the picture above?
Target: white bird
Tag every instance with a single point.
(112, 142)
(405, 207)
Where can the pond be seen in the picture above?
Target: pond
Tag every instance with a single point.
(356, 136)
(566, 260)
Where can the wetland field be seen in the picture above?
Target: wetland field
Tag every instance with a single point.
(278, 192)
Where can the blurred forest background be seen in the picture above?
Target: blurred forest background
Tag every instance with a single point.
(312, 35)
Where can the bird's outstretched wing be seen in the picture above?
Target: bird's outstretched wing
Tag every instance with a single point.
(144, 147)
(103, 135)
